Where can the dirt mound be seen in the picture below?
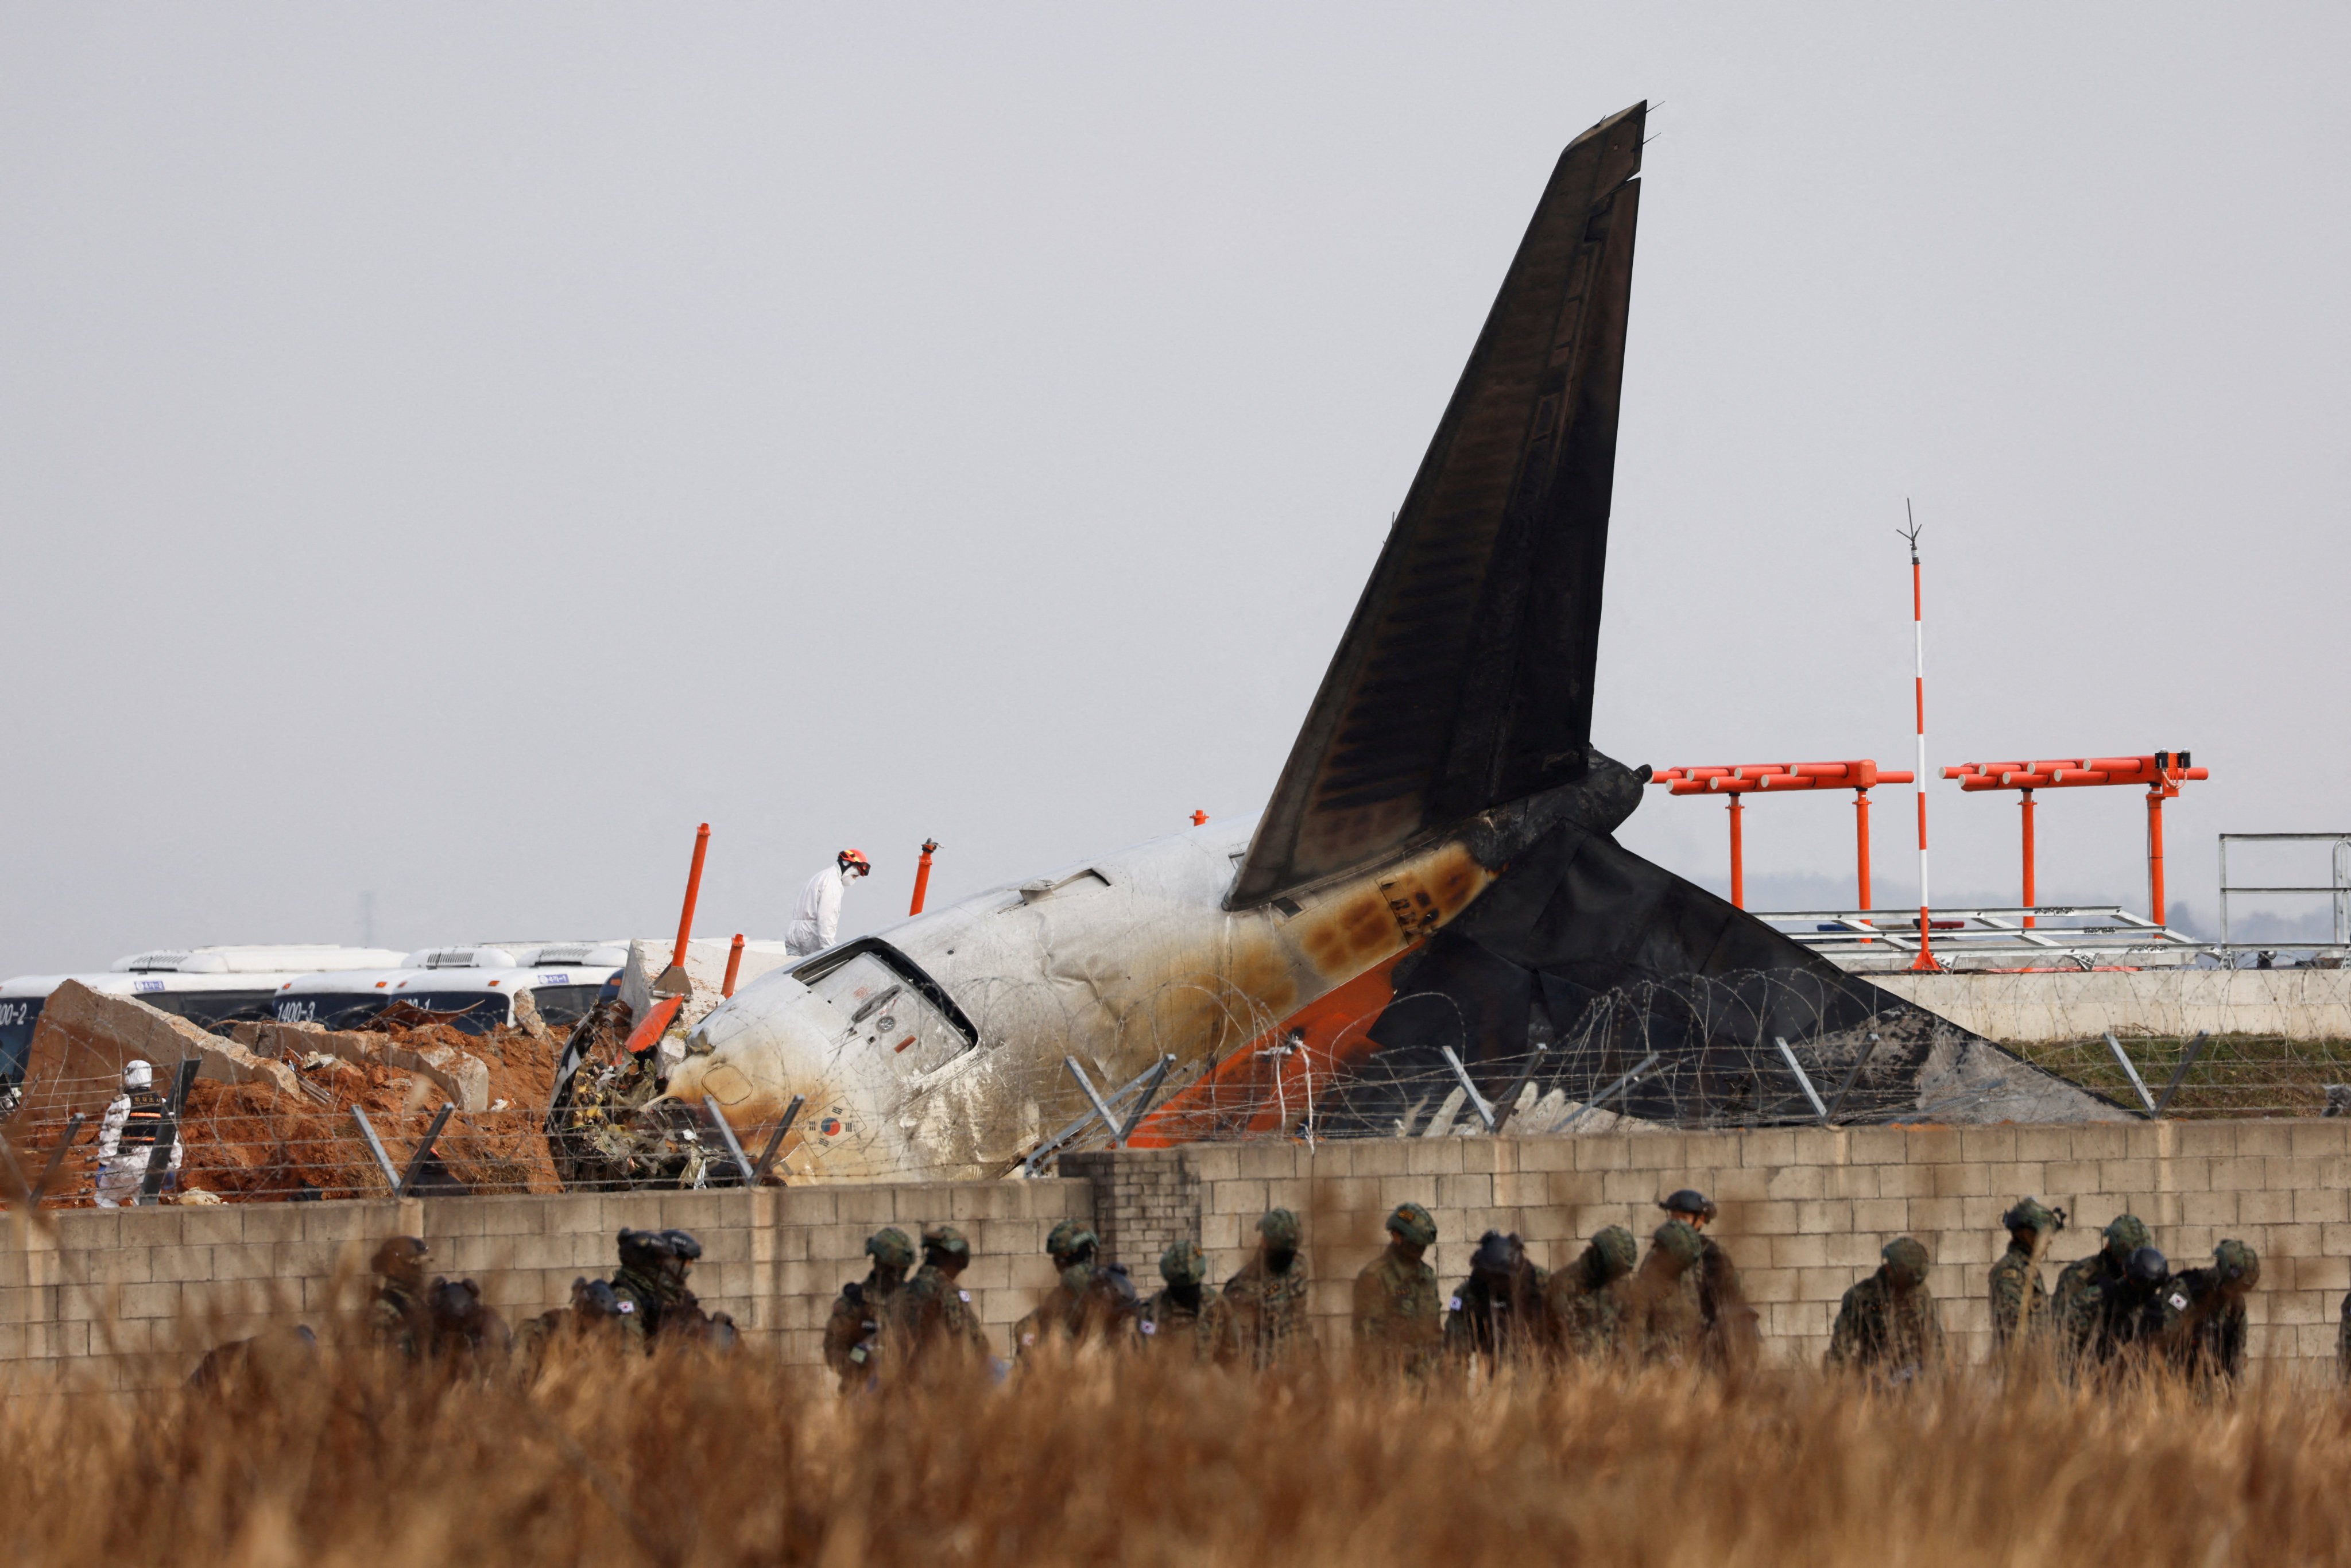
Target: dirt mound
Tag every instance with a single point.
(251, 1141)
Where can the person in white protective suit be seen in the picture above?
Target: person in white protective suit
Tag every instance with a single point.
(127, 1136)
(815, 919)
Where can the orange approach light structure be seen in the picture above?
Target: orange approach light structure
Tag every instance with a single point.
(1772, 778)
(2162, 772)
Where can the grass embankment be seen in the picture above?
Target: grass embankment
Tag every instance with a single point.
(693, 1461)
(2236, 1075)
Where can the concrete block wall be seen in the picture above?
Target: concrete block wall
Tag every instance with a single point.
(130, 1297)
(1804, 1211)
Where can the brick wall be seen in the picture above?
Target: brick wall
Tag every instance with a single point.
(1143, 1199)
(131, 1296)
(1803, 1212)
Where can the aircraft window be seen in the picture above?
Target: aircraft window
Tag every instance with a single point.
(887, 1015)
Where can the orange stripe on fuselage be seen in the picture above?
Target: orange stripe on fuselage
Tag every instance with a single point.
(1261, 1089)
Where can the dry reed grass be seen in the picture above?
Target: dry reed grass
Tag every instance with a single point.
(687, 1460)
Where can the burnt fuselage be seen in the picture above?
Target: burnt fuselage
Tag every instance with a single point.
(934, 1049)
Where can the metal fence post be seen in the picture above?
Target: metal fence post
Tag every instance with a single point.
(167, 1136)
(2195, 1048)
(727, 1136)
(1811, 1093)
(375, 1147)
(1852, 1076)
(1610, 1093)
(423, 1151)
(1485, 1111)
(775, 1139)
(2131, 1072)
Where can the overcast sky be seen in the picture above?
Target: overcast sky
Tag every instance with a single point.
(446, 451)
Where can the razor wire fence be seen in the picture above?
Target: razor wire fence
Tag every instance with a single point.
(1753, 1050)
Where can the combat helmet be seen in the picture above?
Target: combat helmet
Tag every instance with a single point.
(646, 1251)
(1067, 1240)
(2237, 1264)
(401, 1259)
(1497, 1254)
(1184, 1263)
(1616, 1250)
(1690, 1201)
(1906, 1261)
(1679, 1239)
(1411, 1224)
(593, 1301)
(888, 1247)
(946, 1240)
(2126, 1234)
(1279, 1227)
(2030, 1215)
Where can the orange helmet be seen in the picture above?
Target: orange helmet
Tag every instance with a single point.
(855, 858)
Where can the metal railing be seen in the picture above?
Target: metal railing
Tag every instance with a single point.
(2088, 934)
(2340, 889)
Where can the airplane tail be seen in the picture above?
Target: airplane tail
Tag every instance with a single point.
(1459, 701)
(1464, 681)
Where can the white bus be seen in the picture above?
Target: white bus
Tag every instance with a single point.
(477, 984)
(207, 986)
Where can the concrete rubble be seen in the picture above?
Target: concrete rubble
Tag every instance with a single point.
(84, 1039)
(464, 1079)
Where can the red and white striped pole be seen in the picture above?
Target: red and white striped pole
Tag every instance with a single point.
(1925, 959)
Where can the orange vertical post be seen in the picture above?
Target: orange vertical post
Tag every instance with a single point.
(923, 875)
(693, 891)
(1861, 845)
(2031, 898)
(2154, 854)
(1737, 867)
(734, 964)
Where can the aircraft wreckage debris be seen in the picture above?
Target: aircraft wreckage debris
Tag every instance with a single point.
(1431, 930)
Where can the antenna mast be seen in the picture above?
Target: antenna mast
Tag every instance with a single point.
(1925, 959)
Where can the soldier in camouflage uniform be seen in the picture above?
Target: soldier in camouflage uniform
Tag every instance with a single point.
(1110, 1312)
(1184, 1320)
(592, 1318)
(1732, 1335)
(397, 1319)
(2020, 1301)
(2132, 1320)
(1587, 1299)
(1266, 1298)
(853, 1334)
(2208, 1339)
(1498, 1312)
(1665, 1318)
(2075, 1306)
(650, 1292)
(1399, 1319)
(1888, 1325)
(1061, 1314)
(933, 1314)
